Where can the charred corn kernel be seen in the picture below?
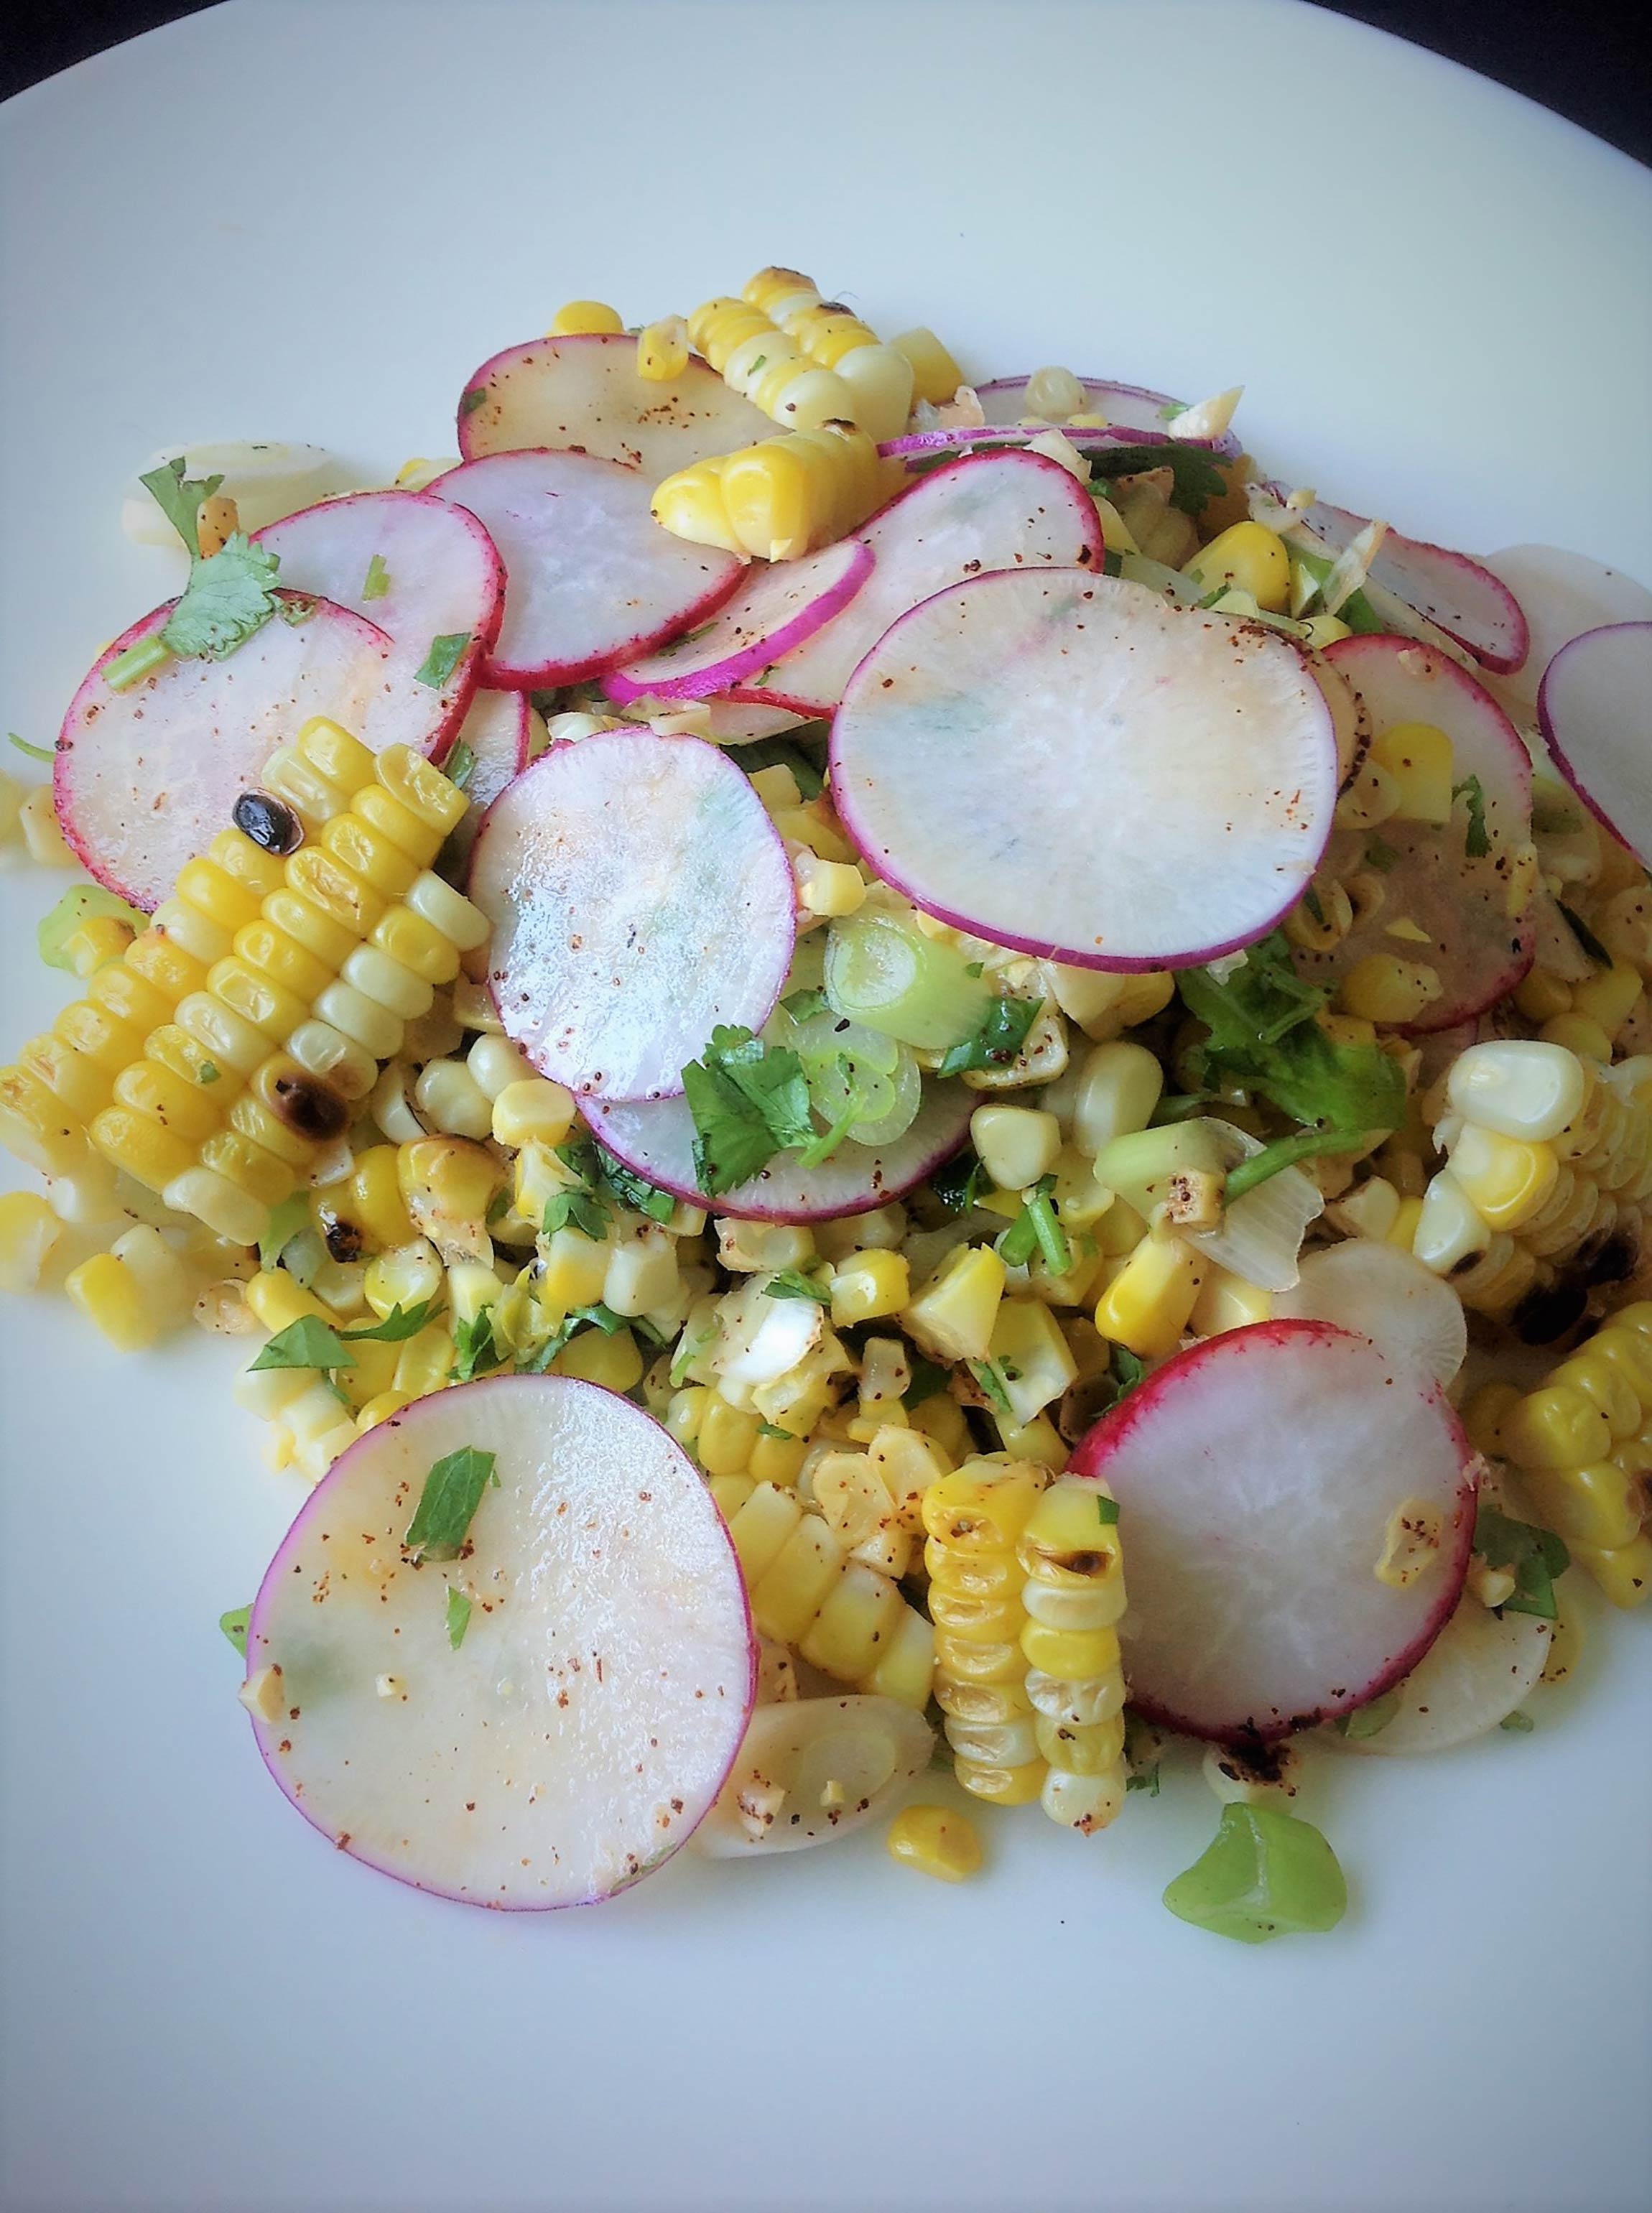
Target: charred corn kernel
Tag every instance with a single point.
(662, 350)
(111, 1296)
(1228, 1301)
(29, 1234)
(1017, 1144)
(1252, 556)
(1580, 1035)
(579, 318)
(869, 1285)
(1148, 1304)
(952, 1317)
(1382, 988)
(974, 1517)
(43, 836)
(1418, 756)
(936, 1841)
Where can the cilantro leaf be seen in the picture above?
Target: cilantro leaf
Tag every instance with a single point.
(306, 1343)
(960, 1182)
(997, 1042)
(1146, 1778)
(928, 1382)
(583, 1209)
(1198, 478)
(458, 1616)
(225, 600)
(1535, 1555)
(1476, 843)
(987, 1375)
(1106, 1510)
(474, 1349)
(209, 1072)
(801, 1004)
(178, 498)
(34, 752)
(234, 1626)
(444, 656)
(475, 398)
(400, 1323)
(447, 1504)
(769, 1430)
(85, 903)
(748, 1101)
(1379, 855)
(1263, 1032)
(634, 1191)
(283, 1225)
(461, 765)
(1517, 1723)
(597, 1317)
(792, 1284)
(376, 582)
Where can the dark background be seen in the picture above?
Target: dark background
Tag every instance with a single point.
(1582, 60)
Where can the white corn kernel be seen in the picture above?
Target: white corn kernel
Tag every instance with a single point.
(386, 982)
(1017, 1144)
(495, 1062)
(262, 1694)
(1519, 1088)
(1449, 1230)
(393, 1105)
(373, 1028)
(451, 1099)
(1119, 1085)
(448, 911)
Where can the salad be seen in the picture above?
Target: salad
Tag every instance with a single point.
(906, 1094)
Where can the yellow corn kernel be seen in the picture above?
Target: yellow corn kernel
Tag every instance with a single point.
(1596, 1504)
(1485, 1413)
(952, 1317)
(1407, 1217)
(29, 1232)
(425, 1362)
(279, 1300)
(662, 350)
(595, 1358)
(726, 1437)
(729, 1493)
(777, 1459)
(459, 1177)
(533, 1108)
(905, 1670)
(1249, 555)
(1540, 996)
(1150, 1303)
(150, 1155)
(1070, 1655)
(374, 1372)
(856, 1617)
(1410, 1544)
(1624, 1572)
(1581, 1034)
(579, 319)
(380, 1409)
(1145, 996)
(1556, 1427)
(1610, 997)
(1382, 988)
(110, 1294)
(867, 1286)
(942, 1418)
(1228, 1301)
(1000, 1786)
(828, 888)
(246, 1165)
(43, 835)
(935, 375)
(1505, 1180)
(1419, 758)
(936, 1841)
(574, 1269)
(791, 1592)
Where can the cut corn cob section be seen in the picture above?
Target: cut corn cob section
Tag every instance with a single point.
(780, 497)
(975, 1518)
(1073, 1597)
(806, 361)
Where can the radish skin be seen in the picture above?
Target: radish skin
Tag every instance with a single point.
(1596, 707)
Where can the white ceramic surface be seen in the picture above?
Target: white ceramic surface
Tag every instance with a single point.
(309, 221)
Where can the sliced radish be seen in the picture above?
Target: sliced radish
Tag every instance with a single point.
(1175, 772)
(592, 578)
(421, 570)
(1457, 594)
(1596, 706)
(1423, 873)
(777, 609)
(1128, 407)
(735, 723)
(658, 1142)
(1000, 511)
(567, 1733)
(1002, 437)
(1379, 1292)
(1478, 1671)
(639, 896)
(145, 778)
(1561, 594)
(583, 395)
(1260, 1477)
(813, 1768)
(498, 730)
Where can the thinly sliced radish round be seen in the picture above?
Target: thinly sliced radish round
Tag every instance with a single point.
(1128, 407)
(658, 1142)
(583, 395)
(1174, 780)
(912, 446)
(1561, 594)
(1596, 706)
(1000, 510)
(780, 1796)
(591, 577)
(778, 609)
(145, 778)
(1379, 1292)
(735, 723)
(567, 1734)
(1459, 595)
(1258, 1476)
(1423, 874)
(421, 570)
(639, 896)
(497, 731)
(1478, 1671)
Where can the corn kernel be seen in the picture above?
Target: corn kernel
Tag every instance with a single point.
(1249, 555)
(1419, 758)
(533, 1107)
(29, 1232)
(42, 833)
(1610, 997)
(1540, 996)
(936, 1841)
(867, 1285)
(614, 1362)
(585, 319)
(1505, 1180)
(952, 1317)
(1580, 1035)
(1148, 1304)
(727, 1435)
(1382, 988)
(110, 1296)
(1228, 1301)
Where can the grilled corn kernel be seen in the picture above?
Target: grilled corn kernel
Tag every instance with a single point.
(936, 1841)
(1017, 1144)
(869, 1285)
(43, 836)
(662, 350)
(1250, 556)
(448, 1098)
(1580, 1035)
(110, 1294)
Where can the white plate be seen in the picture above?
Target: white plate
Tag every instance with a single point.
(310, 221)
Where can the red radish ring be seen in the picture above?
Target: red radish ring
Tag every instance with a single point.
(1130, 409)
(776, 609)
(569, 1733)
(1455, 592)
(639, 896)
(1596, 707)
(1258, 1476)
(145, 778)
(1175, 773)
(431, 571)
(591, 578)
(583, 395)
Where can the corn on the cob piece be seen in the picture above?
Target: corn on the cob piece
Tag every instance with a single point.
(780, 497)
(215, 1059)
(1074, 1596)
(804, 360)
(844, 1618)
(975, 1518)
(1584, 1444)
(1549, 1165)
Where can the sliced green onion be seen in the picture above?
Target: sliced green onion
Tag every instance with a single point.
(884, 973)
(137, 662)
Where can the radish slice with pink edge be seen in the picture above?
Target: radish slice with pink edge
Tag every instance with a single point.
(591, 578)
(145, 778)
(728, 722)
(1260, 1478)
(657, 1142)
(497, 731)
(1479, 1670)
(1457, 594)
(988, 512)
(1379, 1292)
(1423, 873)
(569, 1731)
(778, 608)
(1129, 408)
(421, 570)
(1004, 437)
(639, 896)
(1596, 707)
(583, 395)
(1563, 594)
(1175, 773)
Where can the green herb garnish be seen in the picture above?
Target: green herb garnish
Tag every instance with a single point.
(748, 1101)
(998, 1041)
(470, 401)
(1198, 478)
(1476, 843)
(1517, 1723)
(792, 1284)
(990, 1376)
(1369, 1720)
(230, 594)
(283, 1225)
(474, 1349)
(1284, 1153)
(461, 765)
(1379, 855)
(634, 1191)
(459, 1617)
(1037, 1229)
(1146, 1778)
(769, 1430)
(959, 1183)
(581, 1209)
(309, 1342)
(444, 656)
(34, 752)
(376, 583)
(210, 1072)
(928, 1382)
(1585, 936)
(1534, 1555)
(1106, 1510)
(234, 1626)
(447, 1505)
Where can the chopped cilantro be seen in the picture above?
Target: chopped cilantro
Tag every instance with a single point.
(444, 656)
(1106, 1510)
(400, 1323)
(458, 1616)
(1311, 901)
(600, 1316)
(769, 1430)
(1476, 843)
(461, 765)
(928, 1382)
(1371, 1719)
(960, 1182)
(988, 1375)
(634, 1191)
(34, 752)
(1146, 1778)
(974, 968)
(498, 1207)
(1535, 1555)
(1379, 855)
(178, 498)
(474, 1349)
(1585, 936)
(581, 1209)
(448, 1504)
(295, 607)
(210, 1072)
(1196, 477)
(227, 597)
(234, 1626)
(376, 582)
(470, 401)
(1517, 1723)
(1036, 1228)
(792, 1284)
(801, 1005)
(748, 1101)
(997, 1042)
(306, 1343)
